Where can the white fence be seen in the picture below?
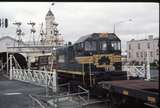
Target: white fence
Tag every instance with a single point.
(37, 77)
(42, 78)
(135, 71)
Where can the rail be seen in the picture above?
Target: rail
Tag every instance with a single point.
(36, 102)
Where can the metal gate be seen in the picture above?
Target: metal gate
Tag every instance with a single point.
(37, 77)
(135, 71)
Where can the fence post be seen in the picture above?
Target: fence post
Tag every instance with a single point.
(11, 74)
(148, 67)
(46, 81)
(54, 75)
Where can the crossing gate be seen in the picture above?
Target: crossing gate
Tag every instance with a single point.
(37, 77)
(135, 71)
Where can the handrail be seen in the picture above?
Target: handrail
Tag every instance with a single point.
(57, 98)
(37, 101)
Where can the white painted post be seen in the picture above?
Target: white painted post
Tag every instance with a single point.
(29, 65)
(55, 80)
(148, 67)
(46, 83)
(90, 76)
(7, 63)
(144, 70)
(11, 74)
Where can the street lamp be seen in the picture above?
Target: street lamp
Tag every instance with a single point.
(114, 29)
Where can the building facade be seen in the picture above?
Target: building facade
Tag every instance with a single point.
(137, 50)
(7, 41)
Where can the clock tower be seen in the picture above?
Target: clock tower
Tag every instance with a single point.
(51, 27)
(50, 20)
(52, 34)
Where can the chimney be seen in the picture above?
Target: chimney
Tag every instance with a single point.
(150, 37)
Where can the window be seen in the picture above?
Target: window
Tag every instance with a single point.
(148, 45)
(116, 45)
(103, 45)
(151, 54)
(61, 59)
(129, 46)
(119, 45)
(141, 54)
(157, 51)
(82, 45)
(145, 54)
(137, 54)
(51, 32)
(43, 60)
(94, 46)
(87, 45)
(139, 47)
(90, 46)
(129, 55)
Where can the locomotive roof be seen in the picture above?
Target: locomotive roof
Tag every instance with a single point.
(109, 36)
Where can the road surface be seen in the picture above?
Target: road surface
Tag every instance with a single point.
(14, 94)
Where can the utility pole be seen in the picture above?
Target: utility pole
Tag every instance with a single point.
(114, 28)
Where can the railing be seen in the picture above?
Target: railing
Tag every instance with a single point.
(42, 78)
(135, 71)
(36, 103)
(81, 96)
(61, 100)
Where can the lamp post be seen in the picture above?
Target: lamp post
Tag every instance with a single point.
(114, 29)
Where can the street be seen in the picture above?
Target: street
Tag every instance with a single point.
(14, 94)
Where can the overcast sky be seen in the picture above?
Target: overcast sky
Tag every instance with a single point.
(78, 19)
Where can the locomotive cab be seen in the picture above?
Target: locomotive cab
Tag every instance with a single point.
(101, 49)
(97, 44)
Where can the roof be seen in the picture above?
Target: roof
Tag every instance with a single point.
(49, 13)
(5, 37)
(133, 40)
(81, 39)
(8, 37)
(97, 35)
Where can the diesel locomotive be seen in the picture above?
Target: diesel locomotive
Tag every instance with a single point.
(92, 58)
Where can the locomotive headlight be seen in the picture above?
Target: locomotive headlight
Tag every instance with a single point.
(54, 51)
(90, 54)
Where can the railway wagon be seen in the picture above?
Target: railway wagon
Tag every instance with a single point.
(132, 93)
